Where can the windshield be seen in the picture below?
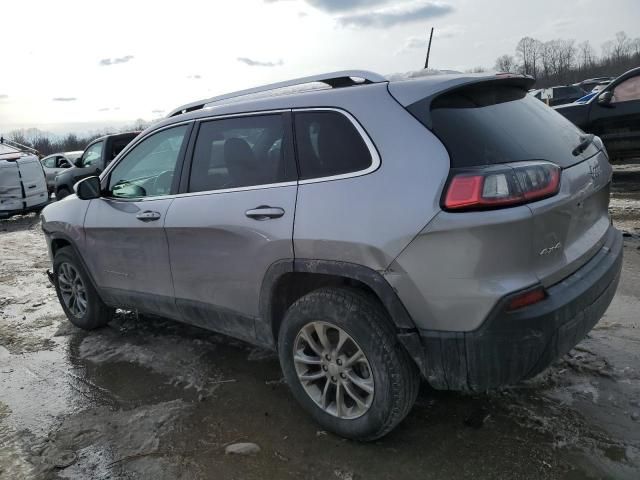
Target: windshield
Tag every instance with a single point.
(486, 125)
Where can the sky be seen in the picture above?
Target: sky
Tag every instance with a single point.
(69, 66)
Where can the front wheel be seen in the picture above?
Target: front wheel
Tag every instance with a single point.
(61, 193)
(76, 294)
(344, 365)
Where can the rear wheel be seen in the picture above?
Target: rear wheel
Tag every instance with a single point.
(61, 193)
(76, 294)
(341, 358)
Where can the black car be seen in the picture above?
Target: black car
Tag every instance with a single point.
(93, 161)
(613, 114)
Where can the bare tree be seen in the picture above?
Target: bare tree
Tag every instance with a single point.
(506, 63)
(587, 55)
(621, 47)
(528, 51)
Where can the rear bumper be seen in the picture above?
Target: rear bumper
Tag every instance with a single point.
(511, 346)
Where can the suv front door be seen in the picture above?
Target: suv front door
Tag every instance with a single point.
(124, 228)
(233, 221)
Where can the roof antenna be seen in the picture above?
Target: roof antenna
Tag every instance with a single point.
(426, 62)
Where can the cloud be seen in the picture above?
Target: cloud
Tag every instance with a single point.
(104, 109)
(64, 99)
(3, 96)
(194, 77)
(421, 43)
(395, 16)
(105, 62)
(257, 63)
(339, 5)
(157, 112)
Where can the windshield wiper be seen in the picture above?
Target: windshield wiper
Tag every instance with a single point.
(584, 143)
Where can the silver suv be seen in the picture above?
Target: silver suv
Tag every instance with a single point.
(449, 227)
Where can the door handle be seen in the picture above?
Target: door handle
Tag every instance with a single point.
(264, 212)
(148, 216)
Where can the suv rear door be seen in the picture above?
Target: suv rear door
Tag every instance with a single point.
(124, 228)
(233, 221)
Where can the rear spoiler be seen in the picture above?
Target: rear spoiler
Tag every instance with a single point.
(416, 103)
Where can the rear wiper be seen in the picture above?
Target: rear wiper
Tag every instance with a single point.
(584, 143)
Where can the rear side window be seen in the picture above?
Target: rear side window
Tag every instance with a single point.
(241, 152)
(328, 144)
(489, 124)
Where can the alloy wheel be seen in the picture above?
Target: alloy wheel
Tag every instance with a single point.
(72, 289)
(333, 370)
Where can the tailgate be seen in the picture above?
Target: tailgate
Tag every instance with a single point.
(569, 228)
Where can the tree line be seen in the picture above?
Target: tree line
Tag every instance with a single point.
(561, 62)
(46, 143)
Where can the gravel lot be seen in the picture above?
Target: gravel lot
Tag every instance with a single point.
(150, 398)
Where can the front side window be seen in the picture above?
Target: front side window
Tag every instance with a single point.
(92, 155)
(241, 152)
(627, 91)
(328, 144)
(147, 170)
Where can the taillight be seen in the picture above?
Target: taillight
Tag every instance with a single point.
(502, 187)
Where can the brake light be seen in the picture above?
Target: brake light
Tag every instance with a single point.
(504, 187)
(526, 299)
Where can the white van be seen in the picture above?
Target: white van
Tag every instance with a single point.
(23, 187)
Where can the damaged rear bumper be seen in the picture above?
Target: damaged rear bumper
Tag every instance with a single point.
(511, 346)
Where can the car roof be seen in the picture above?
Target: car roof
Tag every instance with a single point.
(113, 135)
(319, 90)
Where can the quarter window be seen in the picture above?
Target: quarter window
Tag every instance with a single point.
(328, 144)
(241, 152)
(148, 169)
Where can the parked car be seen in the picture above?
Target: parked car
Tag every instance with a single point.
(93, 161)
(559, 95)
(450, 226)
(613, 114)
(23, 187)
(57, 163)
(590, 83)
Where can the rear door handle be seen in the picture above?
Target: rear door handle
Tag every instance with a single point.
(148, 216)
(264, 212)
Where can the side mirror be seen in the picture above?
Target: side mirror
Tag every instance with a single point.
(78, 162)
(88, 188)
(605, 98)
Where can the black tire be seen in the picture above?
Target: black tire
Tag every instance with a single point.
(96, 314)
(62, 192)
(362, 317)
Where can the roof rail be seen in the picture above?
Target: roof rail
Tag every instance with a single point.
(338, 79)
(18, 146)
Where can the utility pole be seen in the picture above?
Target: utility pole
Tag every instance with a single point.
(426, 62)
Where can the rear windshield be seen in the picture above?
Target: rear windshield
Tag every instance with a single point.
(487, 125)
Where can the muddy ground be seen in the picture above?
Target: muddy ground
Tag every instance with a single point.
(150, 398)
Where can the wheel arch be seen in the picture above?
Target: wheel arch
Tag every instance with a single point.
(288, 280)
(60, 240)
